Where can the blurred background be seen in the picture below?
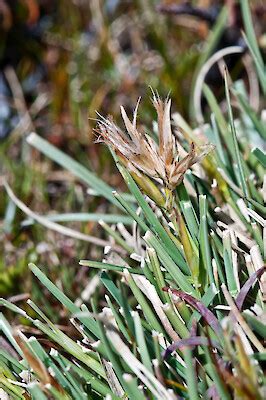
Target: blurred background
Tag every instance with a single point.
(60, 62)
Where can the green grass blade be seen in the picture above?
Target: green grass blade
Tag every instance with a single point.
(155, 224)
(71, 307)
(237, 154)
(84, 217)
(260, 155)
(207, 300)
(252, 42)
(6, 328)
(228, 263)
(111, 287)
(117, 237)
(169, 265)
(191, 377)
(148, 312)
(257, 123)
(221, 122)
(73, 166)
(260, 67)
(110, 267)
(248, 23)
(143, 350)
(256, 324)
(36, 392)
(205, 250)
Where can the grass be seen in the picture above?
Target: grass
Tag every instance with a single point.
(175, 306)
(113, 55)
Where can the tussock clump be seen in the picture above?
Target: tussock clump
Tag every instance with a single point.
(184, 270)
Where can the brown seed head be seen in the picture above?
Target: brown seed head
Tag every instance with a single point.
(140, 152)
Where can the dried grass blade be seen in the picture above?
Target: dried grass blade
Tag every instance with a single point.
(247, 286)
(190, 342)
(207, 315)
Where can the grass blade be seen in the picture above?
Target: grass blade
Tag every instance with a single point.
(73, 166)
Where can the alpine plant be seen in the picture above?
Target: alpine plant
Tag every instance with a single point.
(175, 308)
